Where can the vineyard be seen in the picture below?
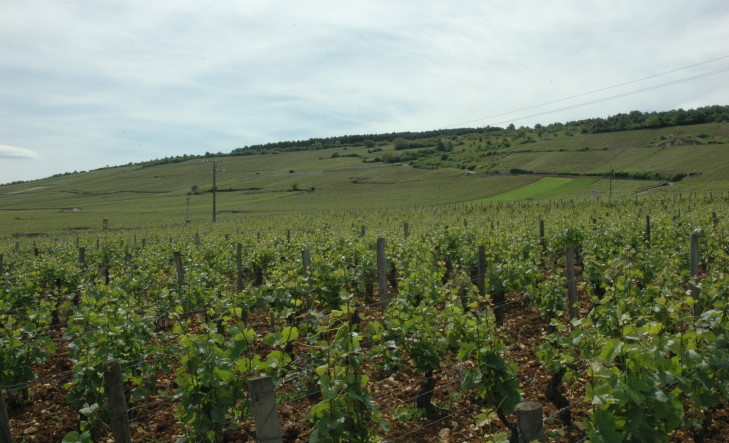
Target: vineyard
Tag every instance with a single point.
(420, 324)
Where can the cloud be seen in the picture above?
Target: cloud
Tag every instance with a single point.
(119, 81)
(11, 152)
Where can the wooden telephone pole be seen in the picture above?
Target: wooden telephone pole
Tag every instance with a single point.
(214, 189)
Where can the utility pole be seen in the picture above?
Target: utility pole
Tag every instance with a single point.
(187, 214)
(610, 197)
(214, 189)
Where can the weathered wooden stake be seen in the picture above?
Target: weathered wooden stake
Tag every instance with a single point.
(104, 272)
(694, 268)
(363, 231)
(263, 398)
(180, 269)
(288, 235)
(306, 262)
(197, 240)
(481, 271)
(105, 224)
(529, 422)
(239, 267)
(382, 272)
(17, 246)
(406, 230)
(5, 436)
(128, 260)
(571, 283)
(499, 308)
(82, 258)
(2, 265)
(648, 230)
(117, 403)
(541, 234)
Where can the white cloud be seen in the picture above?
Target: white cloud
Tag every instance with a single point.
(11, 152)
(136, 79)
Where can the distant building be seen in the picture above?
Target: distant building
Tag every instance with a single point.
(678, 142)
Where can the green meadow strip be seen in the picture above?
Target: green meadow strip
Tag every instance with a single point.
(546, 187)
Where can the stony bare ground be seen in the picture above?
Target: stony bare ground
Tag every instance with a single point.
(459, 417)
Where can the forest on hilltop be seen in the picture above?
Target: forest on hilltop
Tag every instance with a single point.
(620, 122)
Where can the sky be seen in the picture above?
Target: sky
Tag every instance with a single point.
(86, 84)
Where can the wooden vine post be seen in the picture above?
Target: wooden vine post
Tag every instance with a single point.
(541, 239)
(239, 267)
(648, 230)
(571, 283)
(197, 240)
(180, 269)
(5, 435)
(406, 230)
(529, 422)
(2, 266)
(306, 263)
(117, 402)
(128, 259)
(382, 272)
(82, 258)
(105, 224)
(499, 302)
(541, 231)
(481, 282)
(263, 399)
(694, 268)
(104, 271)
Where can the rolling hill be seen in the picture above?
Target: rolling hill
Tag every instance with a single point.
(380, 171)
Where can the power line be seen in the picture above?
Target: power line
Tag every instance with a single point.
(612, 97)
(587, 93)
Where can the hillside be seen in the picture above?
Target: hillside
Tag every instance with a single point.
(394, 170)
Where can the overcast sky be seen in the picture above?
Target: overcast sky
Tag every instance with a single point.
(89, 83)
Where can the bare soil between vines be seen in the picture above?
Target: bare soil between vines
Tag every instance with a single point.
(47, 417)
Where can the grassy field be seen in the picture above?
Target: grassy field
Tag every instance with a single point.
(547, 187)
(670, 160)
(474, 169)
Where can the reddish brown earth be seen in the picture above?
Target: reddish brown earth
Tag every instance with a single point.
(48, 417)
